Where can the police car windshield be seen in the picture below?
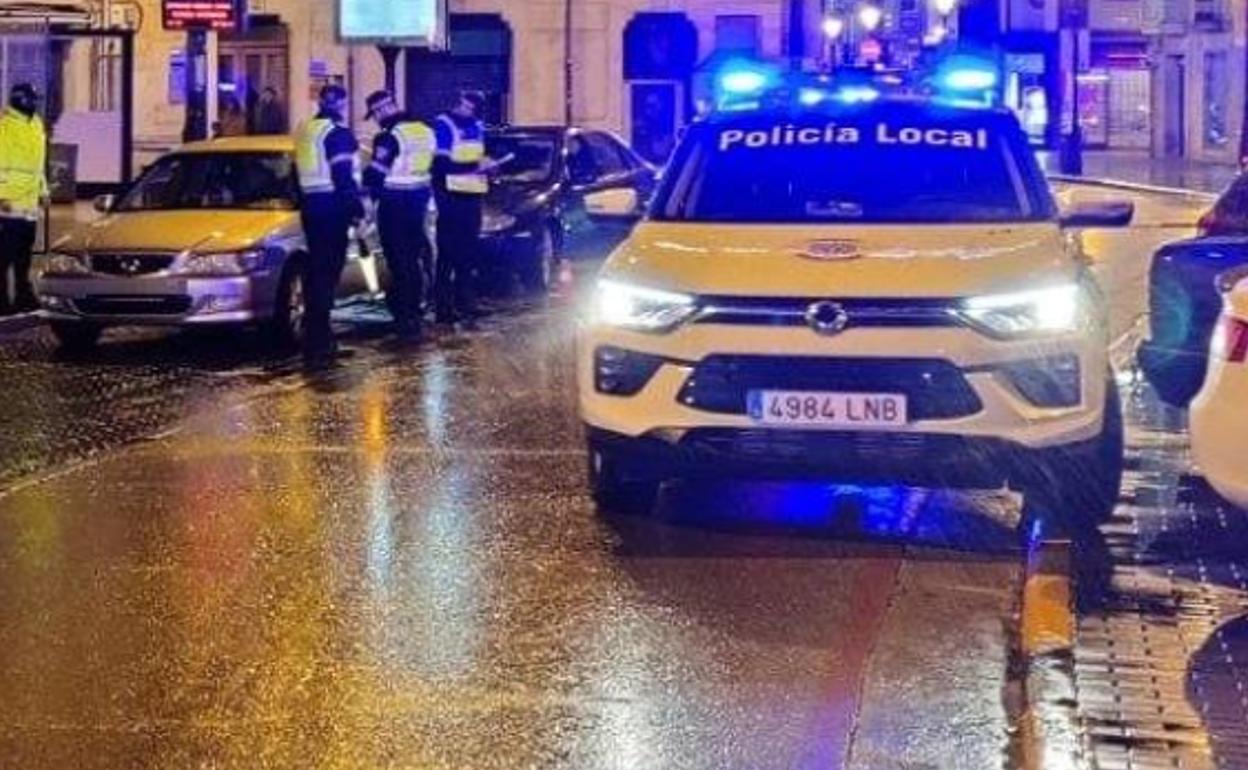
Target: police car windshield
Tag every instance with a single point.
(866, 165)
(530, 158)
(218, 180)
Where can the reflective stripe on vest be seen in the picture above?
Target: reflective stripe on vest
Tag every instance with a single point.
(311, 160)
(468, 184)
(416, 147)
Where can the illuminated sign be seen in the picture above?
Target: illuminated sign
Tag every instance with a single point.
(221, 15)
(419, 23)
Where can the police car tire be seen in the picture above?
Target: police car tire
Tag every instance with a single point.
(76, 336)
(1078, 487)
(615, 487)
(538, 271)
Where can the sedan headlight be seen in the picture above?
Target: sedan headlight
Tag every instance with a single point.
(224, 263)
(640, 308)
(497, 222)
(66, 264)
(1026, 313)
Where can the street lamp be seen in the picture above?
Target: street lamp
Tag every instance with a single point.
(870, 16)
(833, 27)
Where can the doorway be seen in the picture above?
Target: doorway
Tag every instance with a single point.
(254, 81)
(1175, 76)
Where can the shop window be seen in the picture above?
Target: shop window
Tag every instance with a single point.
(1217, 93)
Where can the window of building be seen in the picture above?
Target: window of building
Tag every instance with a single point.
(738, 33)
(1217, 94)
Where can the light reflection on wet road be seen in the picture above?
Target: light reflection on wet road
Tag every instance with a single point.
(397, 565)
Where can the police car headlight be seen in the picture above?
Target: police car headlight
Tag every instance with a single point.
(224, 263)
(497, 223)
(66, 264)
(640, 308)
(1026, 313)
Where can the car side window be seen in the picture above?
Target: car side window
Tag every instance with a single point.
(1234, 202)
(606, 155)
(582, 162)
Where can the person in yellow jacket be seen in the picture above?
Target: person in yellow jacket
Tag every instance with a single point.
(23, 194)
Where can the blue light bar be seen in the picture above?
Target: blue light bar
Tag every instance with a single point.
(809, 97)
(969, 79)
(857, 94)
(741, 82)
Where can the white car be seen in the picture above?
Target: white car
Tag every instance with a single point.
(861, 290)
(1219, 416)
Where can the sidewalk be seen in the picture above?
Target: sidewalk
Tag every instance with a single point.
(1138, 168)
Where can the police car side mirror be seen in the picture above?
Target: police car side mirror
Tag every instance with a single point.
(104, 203)
(1098, 214)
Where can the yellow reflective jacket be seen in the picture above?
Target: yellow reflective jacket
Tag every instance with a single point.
(23, 158)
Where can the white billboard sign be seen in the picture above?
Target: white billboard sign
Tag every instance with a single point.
(420, 23)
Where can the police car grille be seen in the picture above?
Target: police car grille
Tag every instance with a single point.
(130, 264)
(791, 311)
(935, 389)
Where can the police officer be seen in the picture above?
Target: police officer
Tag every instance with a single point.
(460, 184)
(23, 193)
(326, 158)
(398, 179)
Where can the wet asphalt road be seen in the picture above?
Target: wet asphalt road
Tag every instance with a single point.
(210, 560)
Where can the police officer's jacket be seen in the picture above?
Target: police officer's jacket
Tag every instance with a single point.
(403, 153)
(460, 154)
(327, 160)
(23, 155)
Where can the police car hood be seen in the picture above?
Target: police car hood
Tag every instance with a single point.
(198, 230)
(947, 260)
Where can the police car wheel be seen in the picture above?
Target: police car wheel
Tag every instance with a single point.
(76, 336)
(286, 325)
(616, 487)
(1077, 487)
(539, 270)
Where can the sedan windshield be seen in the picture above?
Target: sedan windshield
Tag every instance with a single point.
(875, 167)
(222, 180)
(532, 157)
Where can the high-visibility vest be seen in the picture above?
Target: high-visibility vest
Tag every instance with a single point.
(312, 160)
(466, 153)
(416, 148)
(23, 157)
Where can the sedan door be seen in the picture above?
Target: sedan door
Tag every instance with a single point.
(609, 190)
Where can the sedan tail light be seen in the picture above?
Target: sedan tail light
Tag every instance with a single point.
(1231, 340)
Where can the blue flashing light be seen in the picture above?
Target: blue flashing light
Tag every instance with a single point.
(809, 97)
(741, 82)
(857, 94)
(969, 79)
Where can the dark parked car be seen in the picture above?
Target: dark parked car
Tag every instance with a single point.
(558, 191)
(1184, 296)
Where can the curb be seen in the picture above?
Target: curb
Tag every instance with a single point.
(1119, 184)
(15, 324)
(1048, 727)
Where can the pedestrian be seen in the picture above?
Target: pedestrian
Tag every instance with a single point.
(270, 114)
(233, 119)
(23, 194)
(327, 155)
(460, 184)
(398, 180)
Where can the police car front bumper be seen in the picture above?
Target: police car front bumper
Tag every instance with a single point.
(971, 405)
(160, 300)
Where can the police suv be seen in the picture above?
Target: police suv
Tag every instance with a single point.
(861, 288)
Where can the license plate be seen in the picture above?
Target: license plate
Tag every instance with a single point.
(829, 410)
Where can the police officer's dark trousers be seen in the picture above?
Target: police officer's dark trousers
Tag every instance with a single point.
(326, 224)
(17, 240)
(459, 249)
(401, 222)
